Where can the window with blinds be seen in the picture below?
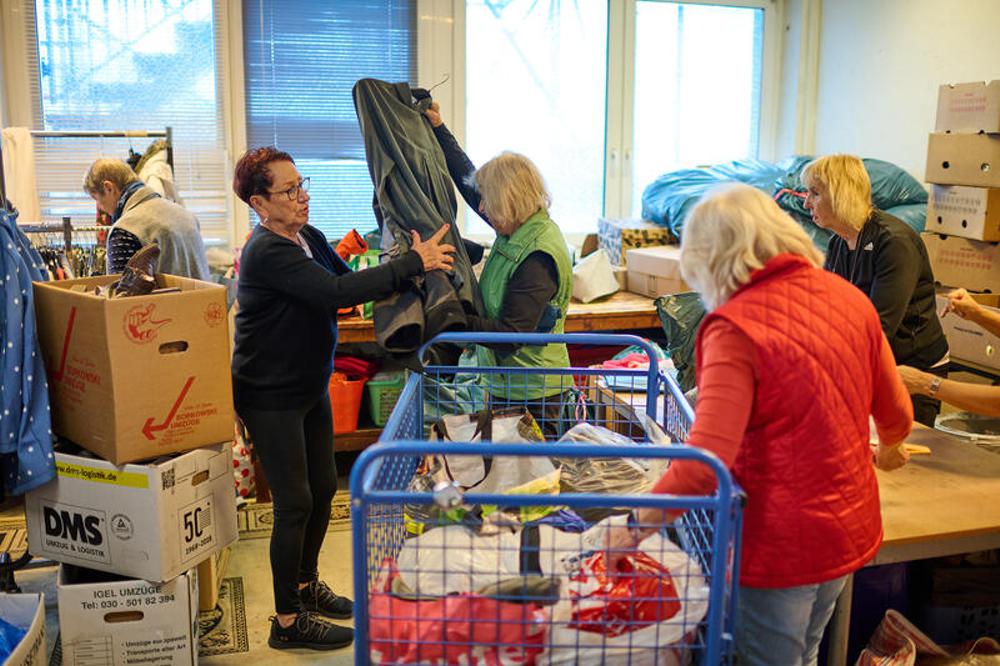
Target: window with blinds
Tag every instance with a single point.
(302, 59)
(128, 65)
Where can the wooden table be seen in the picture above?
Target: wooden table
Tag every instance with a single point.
(621, 312)
(945, 503)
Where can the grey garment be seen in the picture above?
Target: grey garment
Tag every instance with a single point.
(413, 191)
(153, 219)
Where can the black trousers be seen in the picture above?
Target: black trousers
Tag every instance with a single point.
(296, 451)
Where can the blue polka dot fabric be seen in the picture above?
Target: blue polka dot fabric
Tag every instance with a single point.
(26, 459)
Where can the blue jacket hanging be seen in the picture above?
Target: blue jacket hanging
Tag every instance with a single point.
(26, 459)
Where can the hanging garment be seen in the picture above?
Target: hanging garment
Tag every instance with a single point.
(154, 170)
(26, 459)
(19, 171)
(413, 191)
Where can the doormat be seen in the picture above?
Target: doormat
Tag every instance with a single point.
(222, 630)
(13, 536)
(256, 520)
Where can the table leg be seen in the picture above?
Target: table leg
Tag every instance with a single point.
(840, 625)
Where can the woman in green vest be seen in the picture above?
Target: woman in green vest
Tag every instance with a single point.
(527, 280)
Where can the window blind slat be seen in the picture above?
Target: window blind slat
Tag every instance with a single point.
(301, 61)
(129, 64)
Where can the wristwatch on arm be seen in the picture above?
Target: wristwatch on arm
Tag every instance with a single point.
(933, 387)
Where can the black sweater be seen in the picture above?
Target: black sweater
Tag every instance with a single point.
(286, 325)
(890, 264)
(533, 283)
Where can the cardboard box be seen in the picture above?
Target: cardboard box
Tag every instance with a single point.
(616, 237)
(969, 107)
(129, 621)
(146, 521)
(969, 341)
(655, 271)
(989, 300)
(26, 611)
(970, 212)
(964, 159)
(962, 262)
(135, 378)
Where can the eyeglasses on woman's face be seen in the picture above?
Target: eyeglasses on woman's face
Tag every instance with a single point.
(295, 191)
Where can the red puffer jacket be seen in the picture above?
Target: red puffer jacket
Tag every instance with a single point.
(813, 508)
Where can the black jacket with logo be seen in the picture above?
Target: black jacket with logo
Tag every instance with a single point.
(890, 264)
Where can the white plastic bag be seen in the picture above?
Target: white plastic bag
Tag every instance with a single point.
(593, 278)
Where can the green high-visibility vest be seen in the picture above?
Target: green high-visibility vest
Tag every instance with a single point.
(538, 234)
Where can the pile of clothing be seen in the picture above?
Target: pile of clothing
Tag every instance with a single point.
(531, 584)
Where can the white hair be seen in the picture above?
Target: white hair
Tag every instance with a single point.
(734, 230)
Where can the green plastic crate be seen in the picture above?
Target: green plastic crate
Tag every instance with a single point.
(382, 396)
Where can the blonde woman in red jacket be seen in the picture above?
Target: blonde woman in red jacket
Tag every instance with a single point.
(791, 361)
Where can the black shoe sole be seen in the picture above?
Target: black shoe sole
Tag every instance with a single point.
(288, 645)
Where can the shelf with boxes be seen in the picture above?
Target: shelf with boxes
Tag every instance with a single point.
(142, 384)
(962, 234)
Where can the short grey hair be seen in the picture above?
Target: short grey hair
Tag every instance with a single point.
(116, 171)
(734, 230)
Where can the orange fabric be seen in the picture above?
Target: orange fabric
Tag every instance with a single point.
(351, 244)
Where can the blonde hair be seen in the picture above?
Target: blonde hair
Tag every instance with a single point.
(846, 181)
(734, 230)
(104, 169)
(512, 189)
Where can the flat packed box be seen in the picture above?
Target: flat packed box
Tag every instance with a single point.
(616, 237)
(969, 341)
(969, 107)
(150, 521)
(970, 212)
(655, 271)
(128, 621)
(27, 612)
(138, 377)
(964, 159)
(962, 262)
(989, 300)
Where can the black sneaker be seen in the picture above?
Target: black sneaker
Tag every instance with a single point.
(317, 596)
(308, 631)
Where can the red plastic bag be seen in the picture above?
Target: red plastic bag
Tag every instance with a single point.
(640, 593)
(457, 629)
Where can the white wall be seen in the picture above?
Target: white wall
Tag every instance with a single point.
(880, 65)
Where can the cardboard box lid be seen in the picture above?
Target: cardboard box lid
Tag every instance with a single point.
(663, 261)
(968, 107)
(26, 611)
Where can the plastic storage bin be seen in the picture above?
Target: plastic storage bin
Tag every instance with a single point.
(383, 392)
(345, 400)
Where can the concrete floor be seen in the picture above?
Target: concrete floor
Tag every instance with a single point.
(249, 560)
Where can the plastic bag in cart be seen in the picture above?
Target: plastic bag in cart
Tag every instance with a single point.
(462, 629)
(456, 560)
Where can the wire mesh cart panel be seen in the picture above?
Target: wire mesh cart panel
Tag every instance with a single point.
(472, 551)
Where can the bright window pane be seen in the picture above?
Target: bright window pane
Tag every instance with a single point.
(129, 64)
(697, 87)
(301, 59)
(536, 73)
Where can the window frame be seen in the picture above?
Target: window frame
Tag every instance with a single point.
(440, 45)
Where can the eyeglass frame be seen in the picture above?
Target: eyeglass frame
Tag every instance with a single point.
(293, 192)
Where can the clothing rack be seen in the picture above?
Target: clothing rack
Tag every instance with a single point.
(167, 133)
(66, 227)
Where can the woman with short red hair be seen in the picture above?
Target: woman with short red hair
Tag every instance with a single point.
(291, 285)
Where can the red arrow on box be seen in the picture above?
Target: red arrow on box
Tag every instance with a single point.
(148, 429)
(57, 375)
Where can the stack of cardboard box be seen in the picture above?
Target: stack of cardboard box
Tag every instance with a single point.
(144, 383)
(963, 212)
